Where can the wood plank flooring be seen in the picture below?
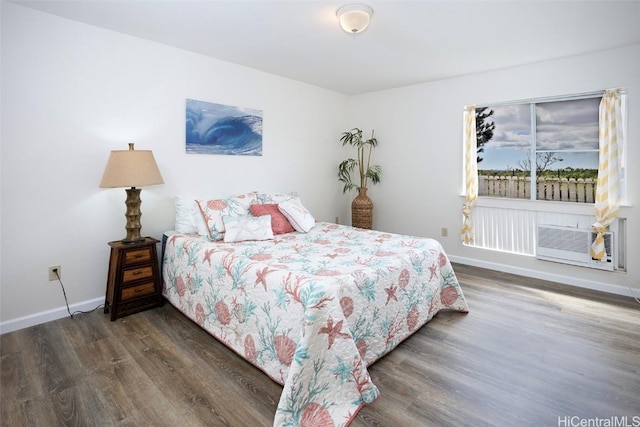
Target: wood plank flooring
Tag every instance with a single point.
(529, 353)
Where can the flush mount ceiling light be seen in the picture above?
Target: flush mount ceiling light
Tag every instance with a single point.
(354, 18)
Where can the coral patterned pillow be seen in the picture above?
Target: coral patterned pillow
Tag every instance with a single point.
(279, 223)
(241, 228)
(298, 215)
(275, 198)
(213, 211)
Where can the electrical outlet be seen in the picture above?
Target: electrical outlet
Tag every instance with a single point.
(52, 272)
(445, 232)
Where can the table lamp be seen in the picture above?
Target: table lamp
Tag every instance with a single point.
(131, 168)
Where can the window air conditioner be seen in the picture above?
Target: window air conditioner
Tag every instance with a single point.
(570, 245)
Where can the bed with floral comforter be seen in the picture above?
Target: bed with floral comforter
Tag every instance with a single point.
(312, 310)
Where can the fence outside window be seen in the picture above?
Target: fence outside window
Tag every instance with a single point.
(547, 188)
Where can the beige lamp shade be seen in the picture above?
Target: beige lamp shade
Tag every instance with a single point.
(131, 168)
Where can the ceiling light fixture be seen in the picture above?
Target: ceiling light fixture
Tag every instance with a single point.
(354, 18)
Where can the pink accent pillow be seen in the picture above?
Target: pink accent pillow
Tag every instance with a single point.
(279, 223)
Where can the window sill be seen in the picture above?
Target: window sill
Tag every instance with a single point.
(537, 205)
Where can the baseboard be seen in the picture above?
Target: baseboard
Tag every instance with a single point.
(536, 274)
(47, 316)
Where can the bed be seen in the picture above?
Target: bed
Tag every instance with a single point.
(312, 309)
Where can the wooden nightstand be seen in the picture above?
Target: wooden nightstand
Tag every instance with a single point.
(133, 283)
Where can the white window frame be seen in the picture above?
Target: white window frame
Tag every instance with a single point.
(532, 103)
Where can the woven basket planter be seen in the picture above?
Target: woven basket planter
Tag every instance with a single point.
(362, 210)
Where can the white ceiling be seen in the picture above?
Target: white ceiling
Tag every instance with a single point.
(407, 42)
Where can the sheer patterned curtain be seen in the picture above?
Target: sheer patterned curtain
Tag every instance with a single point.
(470, 172)
(609, 168)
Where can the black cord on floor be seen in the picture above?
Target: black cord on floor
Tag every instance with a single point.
(67, 302)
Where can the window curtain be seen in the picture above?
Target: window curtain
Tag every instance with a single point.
(470, 172)
(609, 168)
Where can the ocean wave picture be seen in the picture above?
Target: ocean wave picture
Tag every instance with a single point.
(222, 129)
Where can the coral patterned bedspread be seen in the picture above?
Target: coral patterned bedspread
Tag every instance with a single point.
(312, 310)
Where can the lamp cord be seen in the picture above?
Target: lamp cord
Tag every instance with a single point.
(67, 302)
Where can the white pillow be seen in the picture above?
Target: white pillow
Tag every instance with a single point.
(299, 217)
(241, 228)
(189, 219)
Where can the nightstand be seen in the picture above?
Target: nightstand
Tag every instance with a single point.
(133, 283)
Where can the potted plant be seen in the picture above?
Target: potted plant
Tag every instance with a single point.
(362, 206)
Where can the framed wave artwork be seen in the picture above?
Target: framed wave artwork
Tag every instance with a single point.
(222, 129)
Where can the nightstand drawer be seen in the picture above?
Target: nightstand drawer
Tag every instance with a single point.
(137, 256)
(138, 291)
(137, 274)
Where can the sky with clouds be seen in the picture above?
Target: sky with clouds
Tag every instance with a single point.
(562, 127)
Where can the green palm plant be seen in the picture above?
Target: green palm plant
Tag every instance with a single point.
(363, 162)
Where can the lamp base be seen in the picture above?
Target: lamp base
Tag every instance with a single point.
(133, 214)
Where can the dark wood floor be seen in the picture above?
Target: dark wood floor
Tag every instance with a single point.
(528, 353)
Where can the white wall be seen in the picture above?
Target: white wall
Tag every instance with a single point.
(73, 92)
(419, 129)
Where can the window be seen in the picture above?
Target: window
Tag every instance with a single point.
(545, 150)
(541, 150)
